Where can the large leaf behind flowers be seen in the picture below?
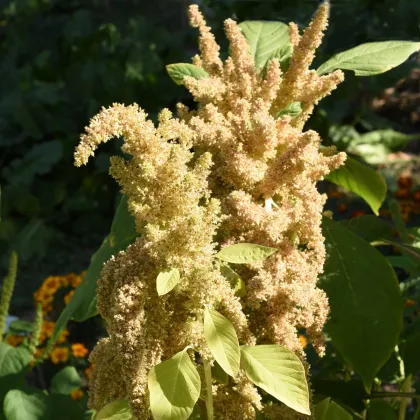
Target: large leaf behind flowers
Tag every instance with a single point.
(365, 301)
(82, 305)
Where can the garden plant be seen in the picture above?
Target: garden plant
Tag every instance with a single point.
(227, 290)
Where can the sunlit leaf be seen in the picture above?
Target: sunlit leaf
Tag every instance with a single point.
(279, 372)
(244, 253)
(371, 58)
(222, 341)
(174, 387)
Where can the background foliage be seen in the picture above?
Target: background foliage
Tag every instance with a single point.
(61, 61)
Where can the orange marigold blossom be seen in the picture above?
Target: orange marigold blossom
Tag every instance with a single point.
(59, 355)
(14, 340)
(79, 350)
(77, 394)
(88, 371)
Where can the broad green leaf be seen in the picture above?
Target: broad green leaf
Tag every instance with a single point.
(39, 160)
(167, 280)
(219, 374)
(174, 387)
(293, 110)
(348, 393)
(267, 40)
(18, 405)
(371, 58)
(411, 354)
(336, 412)
(116, 410)
(63, 407)
(362, 180)
(20, 327)
(235, 280)
(370, 227)
(321, 409)
(180, 70)
(365, 301)
(222, 341)
(380, 410)
(374, 147)
(82, 305)
(14, 363)
(244, 253)
(66, 381)
(279, 372)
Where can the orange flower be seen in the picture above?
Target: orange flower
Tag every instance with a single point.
(68, 297)
(63, 337)
(79, 350)
(14, 340)
(52, 284)
(76, 281)
(59, 354)
(88, 371)
(303, 341)
(410, 302)
(77, 394)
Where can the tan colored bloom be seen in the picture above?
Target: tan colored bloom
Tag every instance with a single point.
(230, 171)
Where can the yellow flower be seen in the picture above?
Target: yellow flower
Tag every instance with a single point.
(59, 354)
(77, 394)
(14, 340)
(79, 350)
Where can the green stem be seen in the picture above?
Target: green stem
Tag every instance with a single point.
(408, 395)
(209, 387)
(7, 292)
(406, 386)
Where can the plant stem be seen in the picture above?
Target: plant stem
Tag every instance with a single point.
(392, 395)
(209, 387)
(7, 292)
(406, 386)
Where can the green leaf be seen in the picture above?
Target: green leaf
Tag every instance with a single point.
(20, 327)
(293, 110)
(174, 387)
(82, 305)
(14, 362)
(371, 228)
(244, 253)
(279, 372)
(365, 302)
(39, 160)
(18, 405)
(267, 40)
(362, 180)
(66, 381)
(380, 410)
(348, 393)
(336, 412)
(63, 407)
(180, 70)
(219, 374)
(167, 280)
(411, 354)
(371, 58)
(321, 409)
(222, 341)
(235, 280)
(116, 410)
(375, 146)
